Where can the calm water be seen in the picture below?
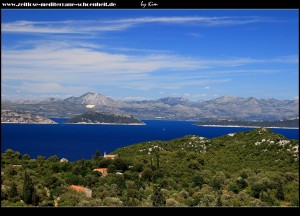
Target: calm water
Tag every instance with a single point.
(76, 142)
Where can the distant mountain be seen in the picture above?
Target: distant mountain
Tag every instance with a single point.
(8, 116)
(94, 117)
(173, 101)
(251, 108)
(94, 99)
(172, 108)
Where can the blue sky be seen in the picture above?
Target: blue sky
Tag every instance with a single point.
(150, 54)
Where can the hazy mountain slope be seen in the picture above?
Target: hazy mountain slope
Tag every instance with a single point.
(8, 116)
(227, 107)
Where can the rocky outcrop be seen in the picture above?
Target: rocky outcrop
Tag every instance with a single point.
(8, 116)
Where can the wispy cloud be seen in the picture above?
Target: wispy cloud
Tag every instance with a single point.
(52, 66)
(195, 35)
(100, 26)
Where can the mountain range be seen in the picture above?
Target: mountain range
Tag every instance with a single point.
(170, 108)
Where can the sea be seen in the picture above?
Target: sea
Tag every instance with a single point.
(80, 141)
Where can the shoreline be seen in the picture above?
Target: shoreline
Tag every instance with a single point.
(28, 123)
(107, 123)
(137, 124)
(247, 126)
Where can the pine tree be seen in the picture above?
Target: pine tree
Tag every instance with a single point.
(97, 154)
(158, 197)
(219, 201)
(28, 189)
(280, 193)
(13, 192)
(157, 160)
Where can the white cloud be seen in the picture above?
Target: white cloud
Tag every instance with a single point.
(206, 87)
(47, 88)
(100, 26)
(287, 59)
(55, 65)
(195, 34)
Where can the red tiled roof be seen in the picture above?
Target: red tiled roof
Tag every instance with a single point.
(102, 170)
(78, 188)
(88, 192)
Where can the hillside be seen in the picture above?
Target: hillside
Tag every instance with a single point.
(252, 168)
(8, 116)
(94, 117)
(255, 149)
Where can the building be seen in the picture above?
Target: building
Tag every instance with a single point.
(64, 160)
(103, 171)
(77, 188)
(110, 156)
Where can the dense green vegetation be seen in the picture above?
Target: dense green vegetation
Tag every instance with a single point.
(252, 168)
(290, 123)
(98, 117)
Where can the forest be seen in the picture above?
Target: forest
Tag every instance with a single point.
(255, 168)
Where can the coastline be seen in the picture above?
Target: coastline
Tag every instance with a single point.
(102, 123)
(28, 123)
(246, 126)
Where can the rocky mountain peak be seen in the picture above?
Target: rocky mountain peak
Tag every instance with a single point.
(226, 99)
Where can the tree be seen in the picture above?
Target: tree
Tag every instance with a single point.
(28, 189)
(25, 157)
(120, 164)
(219, 201)
(157, 160)
(257, 188)
(241, 183)
(40, 158)
(112, 201)
(198, 181)
(158, 198)
(279, 193)
(120, 182)
(11, 155)
(137, 167)
(96, 155)
(53, 158)
(157, 174)
(13, 192)
(147, 174)
(111, 168)
(234, 187)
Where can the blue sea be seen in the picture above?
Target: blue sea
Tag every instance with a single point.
(76, 142)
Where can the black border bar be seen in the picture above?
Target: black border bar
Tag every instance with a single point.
(153, 4)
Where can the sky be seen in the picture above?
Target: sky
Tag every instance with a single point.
(149, 54)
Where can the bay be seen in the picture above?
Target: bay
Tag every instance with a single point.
(75, 142)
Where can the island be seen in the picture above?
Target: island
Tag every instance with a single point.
(17, 117)
(97, 117)
(287, 123)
